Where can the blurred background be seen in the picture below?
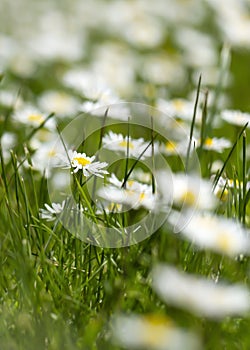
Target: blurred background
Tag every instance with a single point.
(138, 49)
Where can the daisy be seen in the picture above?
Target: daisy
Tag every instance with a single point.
(220, 190)
(46, 157)
(10, 99)
(185, 190)
(236, 117)
(32, 116)
(120, 143)
(152, 331)
(51, 212)
(171, 147)
(216, 144)
(80, 161)
(134, 195)
(58, 102)
(8, 141)
(201, 296)
(179, 108)
(219, 234)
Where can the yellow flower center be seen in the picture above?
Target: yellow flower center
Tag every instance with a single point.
(224, 242)
(178, 105)
(208, 141)
(52, 153)
(156, 328)
(170, 146)
(188, 198)
(36, 118)
(142, 196)
(125, 143)
(82, 161)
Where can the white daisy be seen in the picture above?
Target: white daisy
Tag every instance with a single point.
(201, 296)
(118, 142)
(186, 190)
(58, 102)
(152, 331)
(30, 115)
(179, 108)
(51, 212)
(134, 195)
(80, 161)
(216, 144)
(219, 234)
(8, 141)
(46, 157)
(236, 117)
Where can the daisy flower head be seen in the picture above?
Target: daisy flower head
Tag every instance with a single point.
(216, 144)
(80, 161)
(32, 116)
(152, 331)
(51, 212)
(201, 296)
(179, 108)
(120, 143)
(58, 102)
(236, 117)
(134, 195)
(188, 191)
(219, 234)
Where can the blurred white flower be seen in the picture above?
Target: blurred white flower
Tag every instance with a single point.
(180, 108)
(120, 143)
(10, 99)
(30, 115)
(60, 103)
(216, 144)
(185, 190)
(152, 331)
(46, 157)
(51, 212)
(201, 296)
(134, 194)
(8, 141)
(236, 117)
(222, 235)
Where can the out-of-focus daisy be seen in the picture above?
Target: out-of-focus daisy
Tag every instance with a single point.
(235, 183)
(162, 69)
(8, 141)
(186, 190)
(88, 84)
(220, 190)
(116, 110)
(144, 31)
(10, 99)
(219, 234)
(172, 147)
(60, 103)
(108, 207)
(46, 157)
(179, 108)
(236, 117)
(53, 211)
(134, 195)
(154, 332)
(118, 142)
(80, 161)
(216, 144)
(201, 296)
(30, 115)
